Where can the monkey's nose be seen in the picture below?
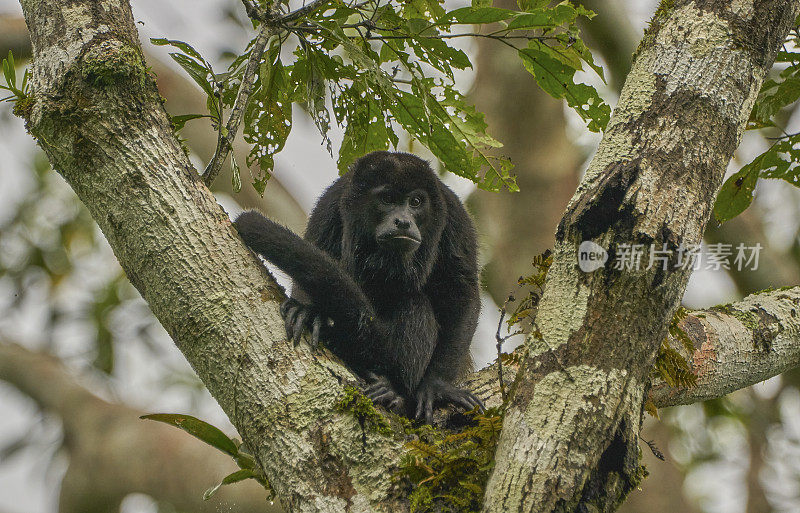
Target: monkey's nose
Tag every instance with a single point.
(402, 223)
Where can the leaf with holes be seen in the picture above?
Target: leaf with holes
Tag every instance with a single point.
(268, 116)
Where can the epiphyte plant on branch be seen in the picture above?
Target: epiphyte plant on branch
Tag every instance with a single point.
(383, 67)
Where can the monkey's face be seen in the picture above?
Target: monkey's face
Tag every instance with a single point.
(398, 217)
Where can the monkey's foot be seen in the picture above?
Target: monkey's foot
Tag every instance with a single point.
(436, 392)
(297, 318)
(382, 393)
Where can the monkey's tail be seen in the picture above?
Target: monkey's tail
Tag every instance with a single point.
(331, 289)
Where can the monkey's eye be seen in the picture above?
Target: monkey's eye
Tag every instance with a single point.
(414, 201)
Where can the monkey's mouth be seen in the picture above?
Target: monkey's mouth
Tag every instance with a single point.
(399, 241)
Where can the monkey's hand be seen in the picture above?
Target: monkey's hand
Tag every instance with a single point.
(437, 392)
(298, 317)
(382, 393)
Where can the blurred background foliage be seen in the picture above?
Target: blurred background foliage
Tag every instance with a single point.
(81, 357)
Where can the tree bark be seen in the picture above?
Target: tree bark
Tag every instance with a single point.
(570, 432)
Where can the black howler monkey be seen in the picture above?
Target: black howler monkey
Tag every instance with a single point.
(389, 257)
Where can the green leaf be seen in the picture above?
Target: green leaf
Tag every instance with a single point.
(439, 54)
(10, 70)
(736, 194)
(554, 72)
(781, 160)
(199, 429)
(366, 131)
(315, 70)
(422, 9)
(268, 116)
(199, 73)
(774, 96)
(530, 5)
(178, 122)
(478, 15)
(545, 17)
(239, 475)
(183, 46)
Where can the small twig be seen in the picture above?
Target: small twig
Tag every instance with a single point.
(245, 89)
(653, 448)
(500, 339)
(299, 13)
(500, 354)
(253, 11)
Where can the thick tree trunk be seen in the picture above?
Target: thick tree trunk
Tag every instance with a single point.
(99, 118)
(570, 433)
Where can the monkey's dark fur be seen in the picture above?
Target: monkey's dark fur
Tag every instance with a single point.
(389, 257)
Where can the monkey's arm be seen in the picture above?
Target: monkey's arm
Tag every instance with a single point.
(318, 275)
(324, 231)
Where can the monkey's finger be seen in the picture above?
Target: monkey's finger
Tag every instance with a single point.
(464, 402)
(381, 399)
(429, 411)
(375, 392)
(477, 401)
(396, 404)
(372, 376)
(299, 325)
(316, 326)
(285, 306)
(418, 413)
(289, 320)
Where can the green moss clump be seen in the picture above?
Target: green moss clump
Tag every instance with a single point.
(670, 364)
(23, 108)
(449, 470)
(112, 66)
(748, 320)
(364, 411)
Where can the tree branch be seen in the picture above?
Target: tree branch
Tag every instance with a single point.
(227, 136)
(98, 116)
(736, 346)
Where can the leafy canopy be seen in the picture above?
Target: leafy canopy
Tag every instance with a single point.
(378, 68)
